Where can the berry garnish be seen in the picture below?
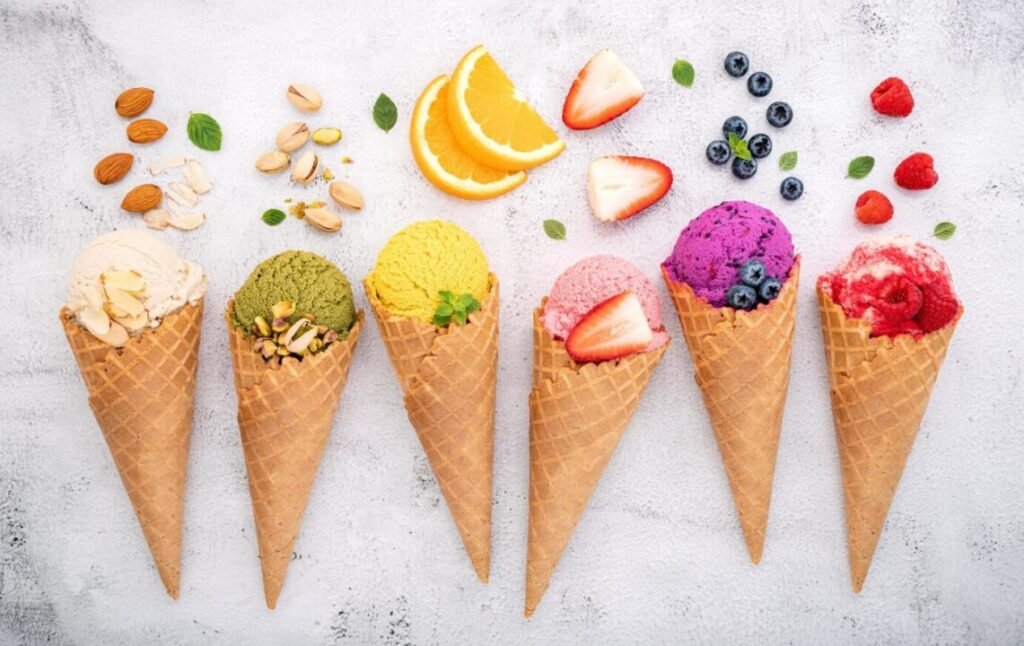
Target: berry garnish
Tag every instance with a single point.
(873, 208)
(718, 152)
(892, 97)
(900, 299)
(760, 145)
(611, 330)
(938, 308)
(741, 297)
(916, 172)
(735, 124)
(769, 290)
(604, 89)
(791, 189)
(779, 114)
(744, 168)
(759, 84)
(620, 187)
(736, 64)
(752, 272)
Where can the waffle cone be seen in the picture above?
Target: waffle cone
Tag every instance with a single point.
(142, 396)
(741, 362)
(879, 388)
(578, 413)
(285, 416)
(448, 376)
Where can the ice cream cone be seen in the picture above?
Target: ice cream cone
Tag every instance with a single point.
(741, 362)
(578, 413)
(449, 376)
(142, 396)
(879, 388)
(285, 414)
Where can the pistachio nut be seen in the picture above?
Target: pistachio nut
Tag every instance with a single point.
(304, 97)
(283, 309)
(326, 136)
(346, 195)
(273, 162)
(287, 337)
(299, 345)
(323, 219)
(279, 325)
(262, 326)
(305, 168)
(292, 137)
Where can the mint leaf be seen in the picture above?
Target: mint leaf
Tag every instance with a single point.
(273, 217)
(944, 230)
(739, 147)
(454, 308)
(204, 131)
(385, 114)
(444, 309)
(459, 317)
(554, 229)
(683, 73)
(787, 161)
(860, 167)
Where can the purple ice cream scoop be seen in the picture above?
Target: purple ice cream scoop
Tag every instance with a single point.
(715, 244)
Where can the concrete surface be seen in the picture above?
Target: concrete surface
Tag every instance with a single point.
(658, 556)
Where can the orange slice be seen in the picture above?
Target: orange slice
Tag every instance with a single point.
(440, 157)
(492, 121)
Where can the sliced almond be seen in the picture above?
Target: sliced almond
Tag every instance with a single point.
(305, 168)
(323, 219)
(345, 194)
(94, 319)
(304, 97)
(174, 161)
(183, 194)
(127, 280)
(157, 218)
(133, 323)
(196, 177)
(188, 220)
(292, 137)
(116, 336)
(273, 162)
(121, 304)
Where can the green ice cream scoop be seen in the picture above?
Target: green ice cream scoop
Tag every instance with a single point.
(312, 282)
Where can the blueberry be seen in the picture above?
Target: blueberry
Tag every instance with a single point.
(736, 64)
(759, 84)
(779, 114)
(735, 124)
(760, 145)
(769, 290)
(744, 168)
(791, 188)
(752, 272)
(741, 297)
(718, 152)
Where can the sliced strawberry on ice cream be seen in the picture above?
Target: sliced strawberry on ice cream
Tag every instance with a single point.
(620, 187)
(603, 90)
(614, 329)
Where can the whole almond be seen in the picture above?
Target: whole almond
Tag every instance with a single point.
(292, 137)
(133, 102)
(113, 167)
(145, 131)
(323, 219)
(273, 162)
(304, 97)
(345, 194)
(142, 198)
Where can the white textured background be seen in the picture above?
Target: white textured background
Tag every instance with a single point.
(658, 556)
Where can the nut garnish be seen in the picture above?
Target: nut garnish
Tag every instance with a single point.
(126, 280)
(134, 101)
(157, 218)
(133, 323)
(182, 194)
(282, 309)
(282, 342)
(292, 137)
(305, 168)
(121, 304)
(304, 97)
(346, 195)
(173, 161)
(116, 336)
(298, 209)
(323, 219)
(113, 167)
(142, 198)
(146, 131)
(196, 177)
(187, 221)
(95, 320)
(273, 162)
(326, 136)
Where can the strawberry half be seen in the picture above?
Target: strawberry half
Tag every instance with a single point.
(604, 89)
(621, 187)
(612, 330)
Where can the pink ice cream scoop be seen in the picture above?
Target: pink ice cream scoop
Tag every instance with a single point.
(714, 245)
(592, 281)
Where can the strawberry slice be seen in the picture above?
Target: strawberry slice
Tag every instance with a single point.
(621, 187)
(604, 89)
(613, 329)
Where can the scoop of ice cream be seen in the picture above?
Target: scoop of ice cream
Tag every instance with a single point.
(715, 244)
(168, 282)
(592, 281)
(898, 284)
(312, 282)
(422, 260)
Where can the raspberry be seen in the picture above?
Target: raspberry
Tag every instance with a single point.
(899, 299)
(873, 208)
(938, 308)
(916, 172)
(892, 97)
(888, 328)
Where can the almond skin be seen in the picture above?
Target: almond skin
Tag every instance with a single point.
(145, 131)
(133, 102)
(113, 167)
(142, 198)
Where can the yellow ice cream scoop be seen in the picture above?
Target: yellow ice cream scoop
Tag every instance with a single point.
(422, 260)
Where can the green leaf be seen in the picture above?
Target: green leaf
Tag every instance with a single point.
(739, 147)
(459, 317)
(683, 73)
(463, 302)
(554, 229)
(446, 296)
(473, 306)
(441, 321)
(204, 131)
(385, 114)
(787, 161)
(944, 230)
(273, 217)
(860, 167)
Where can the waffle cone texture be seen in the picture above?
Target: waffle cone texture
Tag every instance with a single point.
(578, 414)
(879, 387)
(285, 415)
(143, 396)
(448, 377)
(742, 362)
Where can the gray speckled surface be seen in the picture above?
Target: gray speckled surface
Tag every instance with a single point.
(658, 556)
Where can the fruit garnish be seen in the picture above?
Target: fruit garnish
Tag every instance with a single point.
(899, 298)
(741, 297)
(760, 146)
(736, 64)
(613, 329)
(759, 84)
(440, 157)
(917, 172)
(492, 121)
(734, 124)
(873, 208)
(769, 290)
(744, 168)
(718, 152)
(752, 272)
(454, 308)
(620, 187)
(892, 97)
(938, 308)
(603, 90)
(779, 114)
(791, 189)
